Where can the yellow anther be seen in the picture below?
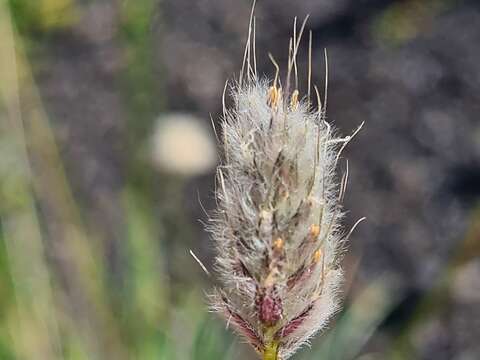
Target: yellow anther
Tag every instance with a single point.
(314, 230)
(278, 244)
(272, 96)
(294, 100)
(317, 255)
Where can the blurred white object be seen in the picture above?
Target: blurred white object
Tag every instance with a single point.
(466, 283)
(183, 145)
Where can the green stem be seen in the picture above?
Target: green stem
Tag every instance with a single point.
(271, 351)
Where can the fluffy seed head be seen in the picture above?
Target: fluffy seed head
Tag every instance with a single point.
(276, 228)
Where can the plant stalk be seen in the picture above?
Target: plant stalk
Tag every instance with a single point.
(271, 351)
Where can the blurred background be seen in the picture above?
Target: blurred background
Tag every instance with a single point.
(107, 160)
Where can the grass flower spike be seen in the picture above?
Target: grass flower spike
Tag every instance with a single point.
(276, 228)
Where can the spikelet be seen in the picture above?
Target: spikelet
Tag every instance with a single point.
(276, 228)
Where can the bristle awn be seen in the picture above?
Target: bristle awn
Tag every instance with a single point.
(199, 262)
(309, 75)
(326, 84)
(246, 53)
(254, 47)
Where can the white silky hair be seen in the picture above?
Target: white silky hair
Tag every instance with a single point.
(277, 228)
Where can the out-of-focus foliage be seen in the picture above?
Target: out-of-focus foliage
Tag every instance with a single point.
(404, 20)
(44, 15)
